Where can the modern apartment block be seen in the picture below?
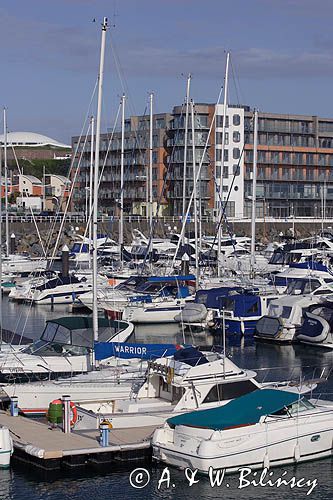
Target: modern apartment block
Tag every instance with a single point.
(295, 165)
(204, 156)
(136, 171)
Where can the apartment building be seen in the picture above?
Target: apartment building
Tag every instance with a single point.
(136, 170)
(295, 163)
(204, 157)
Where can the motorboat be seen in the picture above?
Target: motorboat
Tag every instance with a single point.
(241, 310)
(188, 380)
(262, 429)
(284, 316)
(6, 447)
(141, 289)
(107, 384)
(120, 372)
(162, 309)
(65, 348)
(317, 327)
(311, 271)
(22, 265)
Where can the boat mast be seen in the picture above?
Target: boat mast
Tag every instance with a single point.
(254, 191)
(6, 179)
(185, 148)
(96, 175)
(220, 202)
(195, 200)
(0, 247)
(121, 215)
(91, 184)
(151, 97)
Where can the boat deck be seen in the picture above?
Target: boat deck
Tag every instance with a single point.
(36, 442)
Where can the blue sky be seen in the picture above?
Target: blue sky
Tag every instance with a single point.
(281, 52)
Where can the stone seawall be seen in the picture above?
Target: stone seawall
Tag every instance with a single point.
(27, 238)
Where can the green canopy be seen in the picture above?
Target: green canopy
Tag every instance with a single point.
(245, 410)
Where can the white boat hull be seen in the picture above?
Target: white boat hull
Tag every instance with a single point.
(6, 447)
(254, 446)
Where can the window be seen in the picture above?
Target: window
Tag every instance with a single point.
(236, 120)
(160, 123)
(286, 312)
(236, 137)
(236, 170)
(219, 121)
(232, 390)
(254, 309)
(236, 153)
(219, 138)
(285, 157)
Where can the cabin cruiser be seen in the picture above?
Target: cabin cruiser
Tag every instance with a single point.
(162, 309)
(284, 317)
(258, 430)
(120, 372)
(236, 308)
(306, 270)
(65, 348)
(109, 383)
(65, 289)
(23, 289)
(139, 288)
(241, 310)
(188, 380)
(317, 326)
(21, 265)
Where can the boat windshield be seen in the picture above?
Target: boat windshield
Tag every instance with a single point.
(278, 258)
(42, 348)
(302, 287)
(299, 406)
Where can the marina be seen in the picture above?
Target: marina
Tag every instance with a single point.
(166, 273)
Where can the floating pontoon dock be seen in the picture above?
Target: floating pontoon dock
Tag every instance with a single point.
(37, 444)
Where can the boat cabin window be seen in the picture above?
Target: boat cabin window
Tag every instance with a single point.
(277, 258)
(254, 308)
(232, 390)
(228, 304)
(63, 335)
(49, 332)
(286, 311)
(294, 257)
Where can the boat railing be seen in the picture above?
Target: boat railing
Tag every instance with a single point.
(296, 375)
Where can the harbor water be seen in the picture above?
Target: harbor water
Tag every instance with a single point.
(269, 360)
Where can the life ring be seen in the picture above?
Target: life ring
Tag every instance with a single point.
(74, 414)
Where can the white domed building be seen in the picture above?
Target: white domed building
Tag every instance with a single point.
(30, 145)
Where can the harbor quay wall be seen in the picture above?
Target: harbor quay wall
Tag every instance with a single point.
(27, 238)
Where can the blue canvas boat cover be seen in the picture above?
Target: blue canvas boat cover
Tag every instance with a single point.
(245, 410)
(172, 279)
(191, 356)
(213, 297)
